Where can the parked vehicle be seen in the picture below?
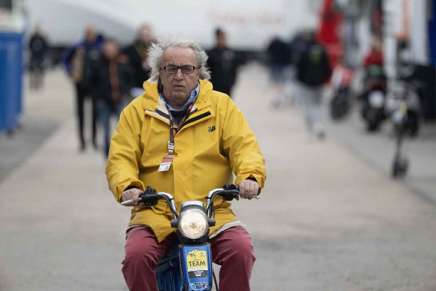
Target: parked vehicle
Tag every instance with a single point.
(405, 115)
(341, 101)
(373, 98)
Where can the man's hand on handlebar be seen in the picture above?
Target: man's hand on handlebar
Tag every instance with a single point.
(248, 189)
(132, 194)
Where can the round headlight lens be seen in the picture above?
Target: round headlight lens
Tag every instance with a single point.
(193, 223)
(376, 99)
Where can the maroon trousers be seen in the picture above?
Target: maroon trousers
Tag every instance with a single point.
(232, 249)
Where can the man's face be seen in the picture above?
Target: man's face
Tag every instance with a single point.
(177, 85)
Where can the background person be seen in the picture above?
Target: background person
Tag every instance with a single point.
(279, 60)
(375, 56)
(78, 62)
(223, 63)
(137, 55)
(38, 49)
(313, 71)
(111, 83)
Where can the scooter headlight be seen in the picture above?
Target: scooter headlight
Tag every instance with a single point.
(193, 223)
(376, 99)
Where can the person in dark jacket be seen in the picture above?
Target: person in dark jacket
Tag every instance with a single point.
(223, 63)
(78, 62)
(38, 49)
(111, 86)
(279, 60)
(298, 44)
(137, 56)
(313, 71)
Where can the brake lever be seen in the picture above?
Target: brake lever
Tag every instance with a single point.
(131, 202)
(149, 197)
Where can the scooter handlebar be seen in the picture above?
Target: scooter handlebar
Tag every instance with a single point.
(150, 197)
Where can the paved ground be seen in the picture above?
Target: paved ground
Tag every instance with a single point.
(378, 150)
(327, 220)
(44, 113)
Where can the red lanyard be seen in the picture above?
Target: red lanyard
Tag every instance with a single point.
(173, 130)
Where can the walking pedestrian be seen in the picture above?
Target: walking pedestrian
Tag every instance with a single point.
(279, 60)
(313, 71)
(38, 49)
(111, 81)
(78, 63)
(223, 63)
(137, 55)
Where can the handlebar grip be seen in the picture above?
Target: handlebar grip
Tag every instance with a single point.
(229, 196)
(149, 199)
(229, 187)
(231, 191)
(234, 187)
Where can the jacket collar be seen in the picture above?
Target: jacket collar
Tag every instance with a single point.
(190, 101)
(153, 102)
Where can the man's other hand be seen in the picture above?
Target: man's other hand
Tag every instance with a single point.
(132, 194)
(248, 189)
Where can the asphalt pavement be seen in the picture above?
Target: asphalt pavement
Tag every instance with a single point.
(328, 219)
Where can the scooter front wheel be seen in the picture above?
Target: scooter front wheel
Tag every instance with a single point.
(372, 125)
(399, 168)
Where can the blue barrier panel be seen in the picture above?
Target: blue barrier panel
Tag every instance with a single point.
(432, 33)
(11, 79)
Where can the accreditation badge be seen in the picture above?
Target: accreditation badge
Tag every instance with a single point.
(165, 165)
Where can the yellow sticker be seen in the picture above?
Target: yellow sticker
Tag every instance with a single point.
(197, 261)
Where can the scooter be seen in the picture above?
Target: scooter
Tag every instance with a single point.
(405, 119)
(374, 99)
(340, 103)
(188, 266)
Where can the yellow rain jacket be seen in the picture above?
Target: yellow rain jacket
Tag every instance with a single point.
(214, 141)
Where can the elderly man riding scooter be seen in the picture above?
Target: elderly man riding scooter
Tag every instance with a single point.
(182, 137)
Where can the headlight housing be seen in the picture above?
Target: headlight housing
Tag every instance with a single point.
(193, 223)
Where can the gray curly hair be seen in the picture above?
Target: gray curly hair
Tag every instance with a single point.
(156, 51)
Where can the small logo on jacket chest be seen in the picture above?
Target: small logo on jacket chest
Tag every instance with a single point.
(211, 128)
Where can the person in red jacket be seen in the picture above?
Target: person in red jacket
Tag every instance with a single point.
(375, 56)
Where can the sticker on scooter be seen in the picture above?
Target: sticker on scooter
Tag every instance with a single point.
(197, 264)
